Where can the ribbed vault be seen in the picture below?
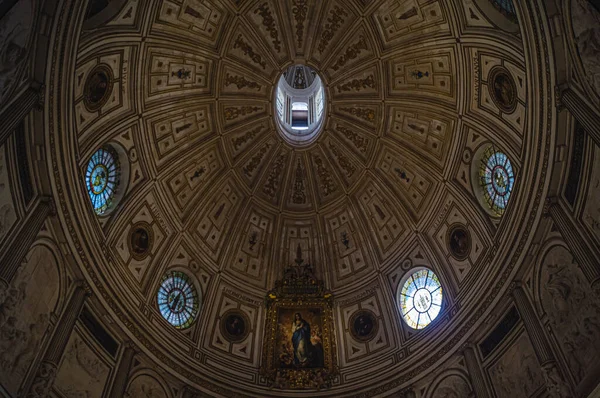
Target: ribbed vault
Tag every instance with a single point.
(229, 201)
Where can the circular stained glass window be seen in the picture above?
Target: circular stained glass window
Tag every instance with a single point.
(420, 298)
(178, 300)
(497, 179)
(102, 178)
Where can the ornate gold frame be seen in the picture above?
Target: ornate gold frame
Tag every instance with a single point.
(299, 290)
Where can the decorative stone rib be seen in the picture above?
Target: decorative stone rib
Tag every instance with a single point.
(580, 109)
(587, 256)
(14, 114)
(555, 383)
(13, 256)
(46, 374)
(477, 379)
(532, 324)
(122, 374)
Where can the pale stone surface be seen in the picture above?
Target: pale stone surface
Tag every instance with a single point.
(586, 27)
(145, 386)
(573, 310)
(24, 315)
(82, 372)
(517, 373)
(15, 29)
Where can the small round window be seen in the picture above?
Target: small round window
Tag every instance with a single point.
(178, 299)
(420, 298)
(102, 179)
(497, 179)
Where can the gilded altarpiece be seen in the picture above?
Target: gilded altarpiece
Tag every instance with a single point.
(299, 350)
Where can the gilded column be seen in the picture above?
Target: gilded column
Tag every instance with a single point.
(555, 383)
(13, 256)
(587, 255)
(122, 374)
(46, 372)
(14, 113)
(474, 368)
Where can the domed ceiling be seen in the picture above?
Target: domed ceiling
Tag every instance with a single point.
(190, 106)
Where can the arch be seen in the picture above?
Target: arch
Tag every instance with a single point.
(147, 383)
(100, 12)
(453, 383)
(492, 9)
(25, 311)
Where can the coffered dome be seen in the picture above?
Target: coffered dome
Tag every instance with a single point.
(424, 152)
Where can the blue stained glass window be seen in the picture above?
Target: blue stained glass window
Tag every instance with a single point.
(420, 298)
(178, 300)
(497, 179)
(102, 179)
(506, 7)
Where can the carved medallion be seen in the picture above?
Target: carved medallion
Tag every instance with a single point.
(98, 87)
(503, 89)
(235, 326)
(363, 325)
(140, 240)
(459, 241)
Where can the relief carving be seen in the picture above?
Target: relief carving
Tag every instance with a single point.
(255, 161)
(249, 51)
(327, 185)
(359, 142)
(145, 386)
(517, 373)
(272, 185)
(249, 136)
(300, 10)
(351, 53)
(43, 381)
(25, 308)
(452, 387)
(362, 113)
(555, 384)
(331, 27)
(573, 309)
(232, 113)
(269, 23)
(241, 82)
(299, 189)
(586, 28)
(357, 84)
(82, 373)
(15, 29)
(342, 160)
